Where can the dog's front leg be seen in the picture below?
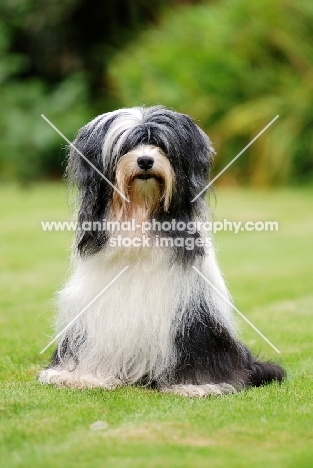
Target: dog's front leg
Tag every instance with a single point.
(64, 378)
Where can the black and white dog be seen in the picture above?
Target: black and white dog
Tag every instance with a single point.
(160, 323)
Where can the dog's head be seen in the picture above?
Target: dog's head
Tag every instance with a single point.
(154, 162)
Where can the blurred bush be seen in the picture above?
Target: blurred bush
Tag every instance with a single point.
(233, 65)
(53, 61)
(29, 148)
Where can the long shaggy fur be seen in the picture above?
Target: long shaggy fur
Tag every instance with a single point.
(159, 324)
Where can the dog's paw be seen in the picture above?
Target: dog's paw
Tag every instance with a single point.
(200, 390)
(63, 378)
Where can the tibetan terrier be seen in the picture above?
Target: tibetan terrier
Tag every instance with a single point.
(159, 323)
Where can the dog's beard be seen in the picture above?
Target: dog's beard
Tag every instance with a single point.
(148, 191)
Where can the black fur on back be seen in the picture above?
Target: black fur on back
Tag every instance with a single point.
(207, 352)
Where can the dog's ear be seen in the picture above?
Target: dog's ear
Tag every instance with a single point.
(84, 169)
(192, 157)
(201, 157)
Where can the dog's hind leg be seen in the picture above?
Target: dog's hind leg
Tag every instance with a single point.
(204, 390)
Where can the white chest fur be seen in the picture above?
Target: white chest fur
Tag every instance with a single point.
(128, 332)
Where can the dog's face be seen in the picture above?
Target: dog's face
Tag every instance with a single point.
(147, 179)
(157, 158)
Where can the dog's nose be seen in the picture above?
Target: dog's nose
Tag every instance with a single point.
(145, 162)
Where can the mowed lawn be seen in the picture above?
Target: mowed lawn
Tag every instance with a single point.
(270, 277)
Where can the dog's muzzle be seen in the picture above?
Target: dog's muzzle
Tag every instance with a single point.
(145, 162)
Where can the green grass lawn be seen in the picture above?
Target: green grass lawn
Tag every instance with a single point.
(270, 277)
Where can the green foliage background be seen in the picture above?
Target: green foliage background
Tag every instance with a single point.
(28, 147)
(53, 61)
(233, 66)
(230, 64)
